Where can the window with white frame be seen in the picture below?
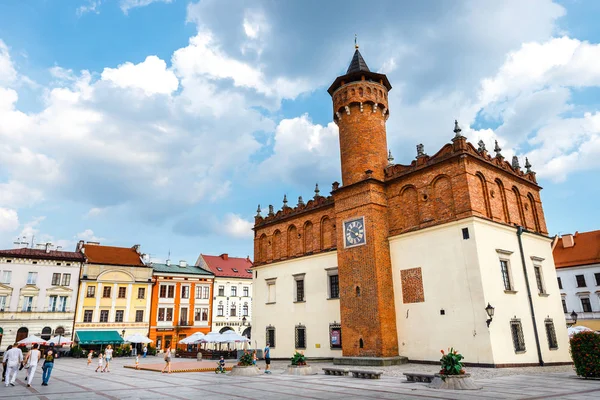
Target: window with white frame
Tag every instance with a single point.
(233, 291)
(27, 304)
(103, 315)
(586, 305)
(221, 290)
(91, 291)
(245, 310)
(87, 315)
(166, 291)
(32, 278)
(165, 314)
(538, 279)
(205, 314)
(55, 279)
(505, 270)
(52, 301)
(205, 292)
(198, 292)
(220, 310)
(185, 292)
(299, 288)
(139, 316)
(66, 279)
(245, 291)
(233, 310)
(5, 277)
(270, 290)
(333, 283)
(2, 303)
(62, 304)
(197, 314)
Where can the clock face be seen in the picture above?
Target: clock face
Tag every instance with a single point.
(354, 232)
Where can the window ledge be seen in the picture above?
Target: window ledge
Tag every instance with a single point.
(335, 348)
(543, 294)
(521, 352)
(301, 301)
(333, 298)
(510, 292)
(553, 349)
(272, 302)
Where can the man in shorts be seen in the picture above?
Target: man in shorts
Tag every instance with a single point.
(267, 359)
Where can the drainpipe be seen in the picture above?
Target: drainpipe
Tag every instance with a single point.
(520, 231)
(76, 303)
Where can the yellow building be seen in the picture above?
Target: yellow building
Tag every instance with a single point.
(114, 294)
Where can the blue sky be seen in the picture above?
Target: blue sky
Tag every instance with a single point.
(165, 123)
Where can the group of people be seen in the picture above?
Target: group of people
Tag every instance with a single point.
(104, 359)
(14, 361)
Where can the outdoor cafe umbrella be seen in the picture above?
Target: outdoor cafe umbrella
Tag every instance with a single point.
(59, 340)
(232, 336)
(213, 337)
(31, 339)
(193, 339)
(137, 338)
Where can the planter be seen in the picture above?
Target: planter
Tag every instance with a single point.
(453, 382)
(299, 370)
(239, 370)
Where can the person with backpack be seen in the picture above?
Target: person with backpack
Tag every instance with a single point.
(48, 364)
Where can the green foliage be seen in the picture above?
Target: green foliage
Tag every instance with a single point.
(585, 351)
(298, 359)
(151, 350)
(245, 360)
(451, 363)
(77, 352)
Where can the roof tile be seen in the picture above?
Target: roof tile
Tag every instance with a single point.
(110, 255)
(585, 251)
(230, 267)
(43, 254)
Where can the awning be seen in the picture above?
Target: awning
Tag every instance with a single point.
(98, 337)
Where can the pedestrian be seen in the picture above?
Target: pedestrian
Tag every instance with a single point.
(107, 358)
(100, 357)
(13, 359)
(145, 351)
(137, 362)
(254, 358)
(167, 361)
(90, 355)
(267, 359)
(48, 364)
(31, 363)
(4, 362)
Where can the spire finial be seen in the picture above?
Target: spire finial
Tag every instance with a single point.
(317, 190)
(258, 211)
(300, 201)
(390, 157)
(515, 162)
(497, 149)
(457, 129)
(285, 200)
(356, 41)
(527, 165)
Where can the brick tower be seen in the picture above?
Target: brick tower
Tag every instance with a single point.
(365, 275)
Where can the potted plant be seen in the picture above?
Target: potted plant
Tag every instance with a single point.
(299, 365)
(452, 375)
(244, 366)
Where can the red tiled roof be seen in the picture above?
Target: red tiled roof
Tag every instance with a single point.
(585, 251)
(231, 267)
(110, 255)
(43, 255)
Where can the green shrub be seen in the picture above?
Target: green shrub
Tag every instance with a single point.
(585, 351)
(298, 359)
(151, 350)
(77, 352)
(451, 363)
(245, 360)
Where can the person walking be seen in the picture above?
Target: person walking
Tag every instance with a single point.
(4, 362)
(90, 355)
(99, 367)
(267, 359)
(48, 364)
(31, 363)
(13, 359)
(167, 361)
(145, 351)
(107, 358)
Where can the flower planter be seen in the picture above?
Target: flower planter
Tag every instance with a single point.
(299, 370)
(453, 382)
(244, 370)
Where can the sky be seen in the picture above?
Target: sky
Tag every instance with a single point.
(165, 123)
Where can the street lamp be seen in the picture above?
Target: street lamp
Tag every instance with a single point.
(244, 321)
(573, 317)
(490, 312)
(123, 333)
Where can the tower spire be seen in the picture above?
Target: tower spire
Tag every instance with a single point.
(356, 41)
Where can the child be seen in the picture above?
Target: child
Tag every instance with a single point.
(99, 367)
(254, 358)
(90, 355)
(137, 362)
(222, 365)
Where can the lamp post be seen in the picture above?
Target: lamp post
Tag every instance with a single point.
(490, 312)
(573, 318)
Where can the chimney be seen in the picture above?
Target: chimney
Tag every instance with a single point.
(48, 247)
(568, 240)
(182, 263)
(168, 262)
(80, 246)
(224, 256)
(136, 247)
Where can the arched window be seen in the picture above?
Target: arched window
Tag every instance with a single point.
(22, 333)
(220, 310)
(361, 343)
(46, 333)
(245, 310)
(59, 331)
(232, 312)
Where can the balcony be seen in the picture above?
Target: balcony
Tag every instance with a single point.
(184, 323)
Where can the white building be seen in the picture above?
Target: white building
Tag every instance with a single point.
(232, 292)
(38, 293)
(577, 260)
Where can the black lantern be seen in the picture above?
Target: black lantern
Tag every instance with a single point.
(123, 333)
(490, 312)
(574, 317)
(243, 321)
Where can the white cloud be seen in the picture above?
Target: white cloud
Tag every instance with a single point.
(89, 236)
(235, 226)
(91, 6)
(8, 74)
(151, 76)
(127, 5)
(9, 220)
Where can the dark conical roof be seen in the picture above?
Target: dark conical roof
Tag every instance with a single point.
(357, 64)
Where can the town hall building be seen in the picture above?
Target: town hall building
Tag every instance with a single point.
(401, 261)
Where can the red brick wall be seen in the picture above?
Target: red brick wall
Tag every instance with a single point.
(412, 286)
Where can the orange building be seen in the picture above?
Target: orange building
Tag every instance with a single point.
(181, 303)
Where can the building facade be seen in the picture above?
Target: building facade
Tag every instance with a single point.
(577, 259)
(38, 293)
(232, 292)
(181, 303)
(403, 260)
(114, 295)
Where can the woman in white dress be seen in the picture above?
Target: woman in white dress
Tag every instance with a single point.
(31, 362)
(107, 358)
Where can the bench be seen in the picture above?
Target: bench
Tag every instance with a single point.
(366, 374)
(335, 371)
(417, 377)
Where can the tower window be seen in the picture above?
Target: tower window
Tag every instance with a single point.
(358, 291)
(465, 233)
(361, 344)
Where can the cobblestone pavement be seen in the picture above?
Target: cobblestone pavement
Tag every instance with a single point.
(71, 379)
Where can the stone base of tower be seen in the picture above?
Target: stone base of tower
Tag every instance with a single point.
(370, 361)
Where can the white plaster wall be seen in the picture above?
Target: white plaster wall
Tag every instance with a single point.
(573, 294)
(490, 237)
(316, 313)
(239, 299)
(452, 282)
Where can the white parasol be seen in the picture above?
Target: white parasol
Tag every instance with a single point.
(196, 337)
(137, 338)
(213, 337)
(59, 340)
(31, 339)
(232, 336)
